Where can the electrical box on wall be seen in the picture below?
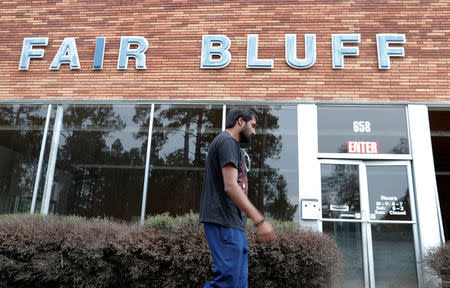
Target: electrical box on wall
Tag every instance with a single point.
(310, 209)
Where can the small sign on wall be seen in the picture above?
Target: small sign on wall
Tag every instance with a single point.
(310, 209)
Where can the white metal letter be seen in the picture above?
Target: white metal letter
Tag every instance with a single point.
(126, 52)
(291, 51)
(209, 50)
(28, 52)
(339, 51)
(252, 55)
(67, 53)
(99, 53)
(385, 52)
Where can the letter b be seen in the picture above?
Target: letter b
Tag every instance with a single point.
(208, 50)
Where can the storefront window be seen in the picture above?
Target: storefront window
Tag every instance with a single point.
(101, 161)
(340, 191)
(394, 255)
(273, 177)
(388, 193)
(348, 237)
(180, 140)
(362, 130)
(21, 131)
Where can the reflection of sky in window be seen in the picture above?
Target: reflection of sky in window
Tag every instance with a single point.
(389, 181)
(288, 157)
(175, 141)
(339, 191)
(285, 162)
(287, 122)
(31, 117)
(388, 127)
(126, 114)
(128, 141)
(127, 135)
(175, 138)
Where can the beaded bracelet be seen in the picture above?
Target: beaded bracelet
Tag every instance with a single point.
(260, 222)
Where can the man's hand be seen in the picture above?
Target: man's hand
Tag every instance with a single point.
(264, 232)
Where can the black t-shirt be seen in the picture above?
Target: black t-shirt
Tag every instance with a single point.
(216, 206)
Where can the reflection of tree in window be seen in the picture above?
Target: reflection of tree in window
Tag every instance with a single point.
(142, 117)
(99, 175)
(267, 188)
(181, 137)
(343, 148)
(402, 147)
(340, 186)
(19, 151)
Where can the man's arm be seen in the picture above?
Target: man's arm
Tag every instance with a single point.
(264, 232)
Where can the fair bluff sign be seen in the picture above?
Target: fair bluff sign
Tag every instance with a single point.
(215, 52)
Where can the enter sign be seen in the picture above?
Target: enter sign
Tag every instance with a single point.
(362, 147)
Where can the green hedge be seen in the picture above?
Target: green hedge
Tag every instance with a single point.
(56, 251)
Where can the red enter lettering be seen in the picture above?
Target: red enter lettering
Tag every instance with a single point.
(362, 147)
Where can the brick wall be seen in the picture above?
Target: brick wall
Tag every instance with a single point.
(174, 30)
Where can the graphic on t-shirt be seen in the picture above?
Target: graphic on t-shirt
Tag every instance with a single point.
(242, 178)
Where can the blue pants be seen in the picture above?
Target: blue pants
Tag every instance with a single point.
(229, 250)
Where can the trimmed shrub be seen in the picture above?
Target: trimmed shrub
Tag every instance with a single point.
(56, 251)
(438, 259)
(165, 221)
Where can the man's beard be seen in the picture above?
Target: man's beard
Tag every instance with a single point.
(245, 135)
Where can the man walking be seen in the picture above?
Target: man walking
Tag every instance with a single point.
(224, 206)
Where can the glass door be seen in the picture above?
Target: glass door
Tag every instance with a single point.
(368, 208)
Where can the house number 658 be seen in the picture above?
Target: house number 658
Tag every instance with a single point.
(361, 126)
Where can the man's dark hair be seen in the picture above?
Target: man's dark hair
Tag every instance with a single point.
(236, 113)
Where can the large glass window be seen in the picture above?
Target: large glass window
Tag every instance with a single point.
(180, 140)
(101, 161)
(362, 130)
(21, 132)
(388, 193)
(273, 177)
(340, 191)
(348, 237)
(394, 255)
